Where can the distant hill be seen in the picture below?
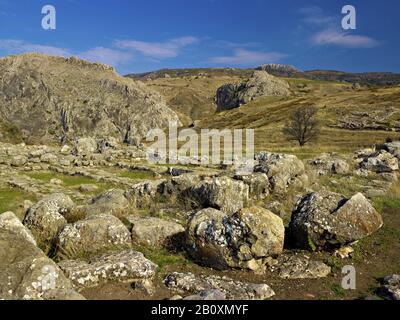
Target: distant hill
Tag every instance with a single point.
(279, 70)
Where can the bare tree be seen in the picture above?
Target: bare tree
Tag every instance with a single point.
(302, 125)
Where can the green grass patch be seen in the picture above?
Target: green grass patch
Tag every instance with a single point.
(69, 181)
(11, 199)
(136, 174)
(338, 290)
(163, 258)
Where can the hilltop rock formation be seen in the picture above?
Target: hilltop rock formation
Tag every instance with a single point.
(233, 95)
(47, 99)
(281, 70)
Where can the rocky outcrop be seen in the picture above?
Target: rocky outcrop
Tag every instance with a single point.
(242, 240)
(155, 232)
(26, 273)
(46, 218)
(231, 96)
(327, 220)
(234, 290)
(124, 266)
(91, 236)
(280, 70)
(54, 99)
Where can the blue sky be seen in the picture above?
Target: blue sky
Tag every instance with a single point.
(144, 35)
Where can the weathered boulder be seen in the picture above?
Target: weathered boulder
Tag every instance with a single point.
(111, 202)
(221, 193)
(144, 193)
(330, 163)
(10, 222)
(234, 290)
(155, 232)
(19, 161)
(283, 170)
(46, 219)
(301, 267)
(390, 289)
(231, 96)
(380, 161)
(93, 235)
(85, 147)
(25, 271)
(393, 148)
(241, 240)
(124, 266)
(327, 220)
(258, 184)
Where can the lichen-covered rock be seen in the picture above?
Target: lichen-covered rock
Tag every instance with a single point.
(231, 96)
(10, 222)
(85, 147)
(46, 219)
(19, 161)
(155, 232)
(207, 295)
(327, 220)
(390, 289)
(283, 170)
(380, 161)
(88, 237)
(242, 240)
(124, 266)
(222, 193)
(25, 271)
(301, 267)
(234, 290)
(393, 148)
(111, 202)
(258, 184)
(144, 193)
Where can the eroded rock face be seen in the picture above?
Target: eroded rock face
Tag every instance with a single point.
(231, 96)
(283, 170)
(124, 266)
(155, 232)
(92, 235)
(234, 290)
(90, 99)
(85, 147)
(242, 240)
(25, 271)
(326, 220)
(46, 219)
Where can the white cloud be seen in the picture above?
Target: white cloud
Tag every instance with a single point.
(248, 57)
(315, 15)
(107, 56)
(157, 50)
(11, 46)
(343, 39)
